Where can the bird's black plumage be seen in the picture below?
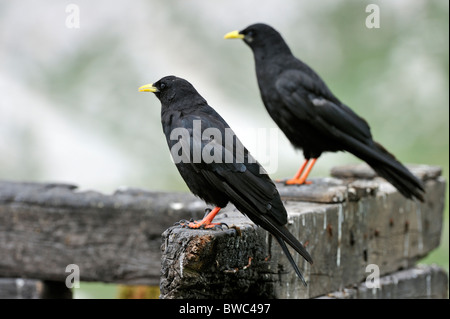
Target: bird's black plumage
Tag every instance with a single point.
(234, 176)
(310, 116)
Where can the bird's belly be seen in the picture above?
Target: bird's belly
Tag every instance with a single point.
(201, 186)
(305, 136)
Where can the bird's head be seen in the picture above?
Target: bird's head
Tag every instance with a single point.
(260, 37)
(173, 91)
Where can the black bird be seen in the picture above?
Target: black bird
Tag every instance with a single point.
(310, 116)
(225, 172)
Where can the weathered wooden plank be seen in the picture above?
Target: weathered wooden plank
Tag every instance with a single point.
(348, 182)
(19, 288)
(385, 230)
(373, 225)
(323, 190)
(420, 282)
(215, 264)
(112, 238)
(116, 238)
(363, 171)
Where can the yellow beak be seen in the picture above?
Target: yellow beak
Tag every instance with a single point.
(148, 88)
(234, 35)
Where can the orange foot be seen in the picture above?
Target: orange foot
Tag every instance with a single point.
(295, 181)
(205, 223)
(302, 174)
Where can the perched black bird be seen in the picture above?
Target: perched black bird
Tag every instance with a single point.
(310, 116)
(216, 166)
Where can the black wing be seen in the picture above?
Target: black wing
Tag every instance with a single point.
(332, 119)
(245, 183)
(311, 101)
(237, 173)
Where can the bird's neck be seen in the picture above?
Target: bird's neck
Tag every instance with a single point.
(182, 107)
(271, 65)
(279, 50)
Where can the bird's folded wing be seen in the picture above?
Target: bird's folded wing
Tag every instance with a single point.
(309, 101)
(234, 171)
(247, 184)
(334, 121)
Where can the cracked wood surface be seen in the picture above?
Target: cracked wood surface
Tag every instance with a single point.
(347, 221)
(356, 222)
(112, 238)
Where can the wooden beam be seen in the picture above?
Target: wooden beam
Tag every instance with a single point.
(366, 222)
(420, 282)
(216, 264)
(112, 238)
(117, 238)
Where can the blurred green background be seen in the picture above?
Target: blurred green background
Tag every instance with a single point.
(70, 110)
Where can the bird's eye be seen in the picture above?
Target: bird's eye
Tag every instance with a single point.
(162, 86)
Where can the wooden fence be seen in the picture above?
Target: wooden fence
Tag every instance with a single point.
(357, 228)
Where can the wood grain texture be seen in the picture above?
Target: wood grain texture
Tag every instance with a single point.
(372, 224)
(112, 238)
(347, 222)
(420, 282)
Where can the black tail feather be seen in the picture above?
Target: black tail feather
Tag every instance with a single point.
(386, 165)
(406, 185)
(398, 175)
(291, 260)
(273, 226)
(283, 233)
(283, 236)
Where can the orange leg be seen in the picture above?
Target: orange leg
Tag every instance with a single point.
(297, 176)
(206, 222)
(300, 171)
(302, 174)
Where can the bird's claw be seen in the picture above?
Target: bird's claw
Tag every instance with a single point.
(197, 225)
(218, 226)
(297, 182)
(184, 222)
